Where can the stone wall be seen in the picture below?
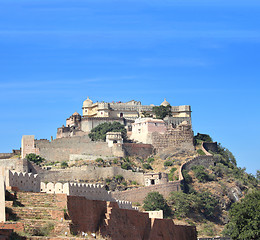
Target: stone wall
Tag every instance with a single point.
(89, 191)
(118, 224)
(26, 182)
(210, 146)
(19, 165)
(205, 161)
(138, 149)
(139, 194)
(180, 137)
(90, 173)
(2, 198)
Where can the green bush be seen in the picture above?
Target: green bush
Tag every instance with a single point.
(99, 132)
(168, 163)
(201, 138)
(200, 152)
(154, 201)
(201, 174)
(162, 111)
(134, 183)
(34, 158)
(126, 166)
(170, 175)
(115, 161)
(64, 164)
(150, 160)
(244, 218)
(147, 166)
(183, 204)
(119, 178)
(99, 160)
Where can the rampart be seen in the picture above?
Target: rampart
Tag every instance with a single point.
(180, 137)
(61, 148)
(138, 149)
(19, 165)
(89, 191)
(118, 224)
(210, 146)
(26, 182)
(139, 194)
(90, 173)
(205, 161)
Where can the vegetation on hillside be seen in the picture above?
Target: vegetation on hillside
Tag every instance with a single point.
(244, 218)
(34, 158)
(99, 132)
(155, 201)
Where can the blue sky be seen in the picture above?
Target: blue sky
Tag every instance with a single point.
(53, 54)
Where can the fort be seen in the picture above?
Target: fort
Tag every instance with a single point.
(90, 207)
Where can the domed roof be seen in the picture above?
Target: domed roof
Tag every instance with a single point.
(75, 114)
(165, 103)
(87, 103)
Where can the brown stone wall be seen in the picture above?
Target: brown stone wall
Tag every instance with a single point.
(180, 137)
(118, 224)
(86, 215)
(138, 149)
(139, 194)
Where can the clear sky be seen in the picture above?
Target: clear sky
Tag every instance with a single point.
(53, 54)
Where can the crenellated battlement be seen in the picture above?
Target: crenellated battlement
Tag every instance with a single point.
(26, 182)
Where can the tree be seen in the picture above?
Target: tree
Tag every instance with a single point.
(154, 201)
(99, 132)
(162, 111)
(244, 218)
(201, 138)
(34, 158)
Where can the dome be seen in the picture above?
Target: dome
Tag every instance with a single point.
(87, 103)
(75, 114)
(165, 103)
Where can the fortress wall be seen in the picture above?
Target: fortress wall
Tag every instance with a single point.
(88, 216)
(88, 173)
(205, 161)
(19, 165)
(5, 155)
(60, 149)
(174, 138)
(210, 146)
(139, 194)
(138, 149)
(26, 182)
(89, 191)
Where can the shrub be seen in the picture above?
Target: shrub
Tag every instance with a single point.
(170, 175)
(134, 183)
(201, 174)
(201, 138)
(168, 163)
(34, 158)
(147, 166)
(126, 166)
(154, 201)
(99, 132)
(208, 204)
(150, 160)
(64, 164)
(115, 161)
(99, 160)
(200, 152)
(119, 178)
(183, 204)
